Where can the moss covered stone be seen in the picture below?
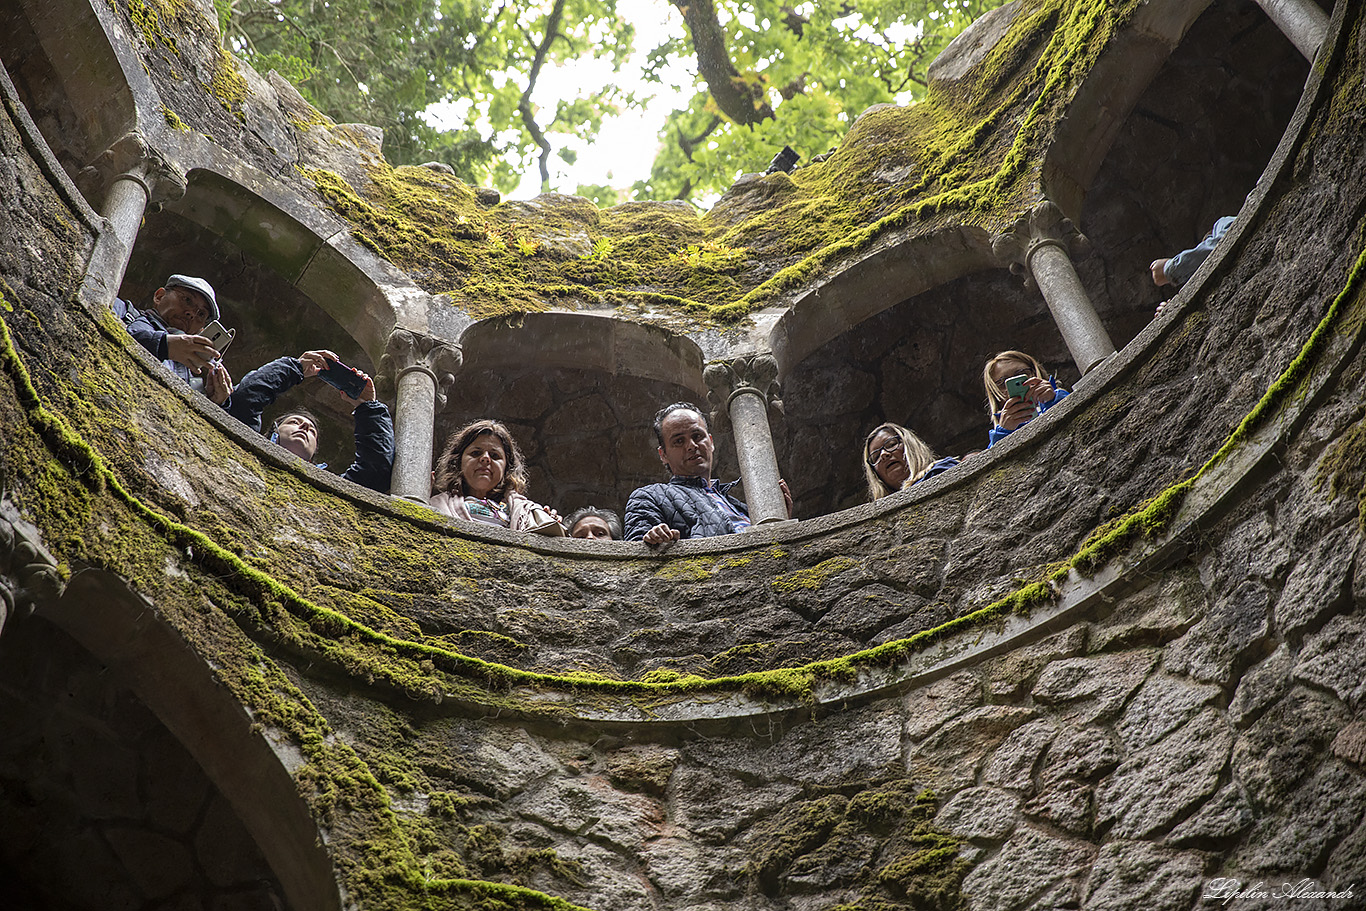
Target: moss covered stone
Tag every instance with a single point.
(966, 155)
(913, 866)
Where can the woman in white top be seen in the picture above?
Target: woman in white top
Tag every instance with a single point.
(481, 477)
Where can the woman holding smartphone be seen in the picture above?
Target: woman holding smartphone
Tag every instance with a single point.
(1018, 390)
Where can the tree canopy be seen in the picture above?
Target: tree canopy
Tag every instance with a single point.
(763, 74)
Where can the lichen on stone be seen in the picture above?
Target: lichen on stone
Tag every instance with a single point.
(813, 577)
(912, 867)
(969, 154)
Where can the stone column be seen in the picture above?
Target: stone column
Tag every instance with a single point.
(422, 370)
(742, 391)
(28, 574)
(1302, 21)
(1040, 248)
(134, 177)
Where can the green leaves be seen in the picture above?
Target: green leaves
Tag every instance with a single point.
(823, 64)
(767, 75)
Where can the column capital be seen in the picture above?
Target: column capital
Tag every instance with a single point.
(753, 374)
(1042, 226)
(131, 158)
(28, 573)
(408, 351)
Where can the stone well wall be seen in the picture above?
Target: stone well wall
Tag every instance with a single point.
(1110, 664)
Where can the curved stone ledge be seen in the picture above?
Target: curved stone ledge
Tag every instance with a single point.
(1076, 598)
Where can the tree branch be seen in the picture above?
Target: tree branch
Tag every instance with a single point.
(552, 29)
(687, 145)
(739, 98)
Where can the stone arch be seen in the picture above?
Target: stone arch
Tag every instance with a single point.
(81, 102)
(917, 363)
(564, 382)
(1173, 127)
(1112, 89)
(591, 341)
(277, 232)
(888, 275)
(284, 280)
(125, 633)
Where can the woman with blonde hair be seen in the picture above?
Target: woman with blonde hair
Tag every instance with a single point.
(1018, 390)
(481, 477)
(894, 458)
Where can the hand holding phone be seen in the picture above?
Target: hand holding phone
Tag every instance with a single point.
(348, 379)
(219, 336)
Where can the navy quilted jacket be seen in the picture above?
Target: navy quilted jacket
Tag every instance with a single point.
(682, 503)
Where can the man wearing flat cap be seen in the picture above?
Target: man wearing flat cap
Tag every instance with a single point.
(170, 331)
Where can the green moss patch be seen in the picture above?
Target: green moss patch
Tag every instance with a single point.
(813, 577)
(523, 257)
(968, 155)
(1343, 468)
(906, 863)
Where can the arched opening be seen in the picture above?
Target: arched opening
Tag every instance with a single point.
(168, 722)
(918, 364)
(101, 806)
(1197, 139)
(578, 393)
(258, 260)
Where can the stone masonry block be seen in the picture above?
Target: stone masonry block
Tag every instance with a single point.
(1095, 687)
(1013, 763)
(1318, 585)
(1335, 659)
(1136, 874)
(1157, 787)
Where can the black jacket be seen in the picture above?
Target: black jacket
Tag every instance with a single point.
(683, 504)
(151, 331)
(374, 459)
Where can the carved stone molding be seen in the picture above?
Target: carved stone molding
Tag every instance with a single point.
(754, 374)
(409, 352)
(1042, 226)
(131, 158)
(28, 574)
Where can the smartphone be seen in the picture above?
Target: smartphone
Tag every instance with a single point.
(219, 336)
(1015, 386)
(340, 376)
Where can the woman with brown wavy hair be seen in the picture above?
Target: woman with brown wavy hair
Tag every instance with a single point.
(481, 477)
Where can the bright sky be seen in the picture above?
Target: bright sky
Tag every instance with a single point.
(624, 148)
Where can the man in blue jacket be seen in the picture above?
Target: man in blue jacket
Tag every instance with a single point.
(1178, 269)
(690, 504)
(170, 329)
(297, 431)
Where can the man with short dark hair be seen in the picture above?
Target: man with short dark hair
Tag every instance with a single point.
(170, 329)
(690, 504)
(297, 431)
